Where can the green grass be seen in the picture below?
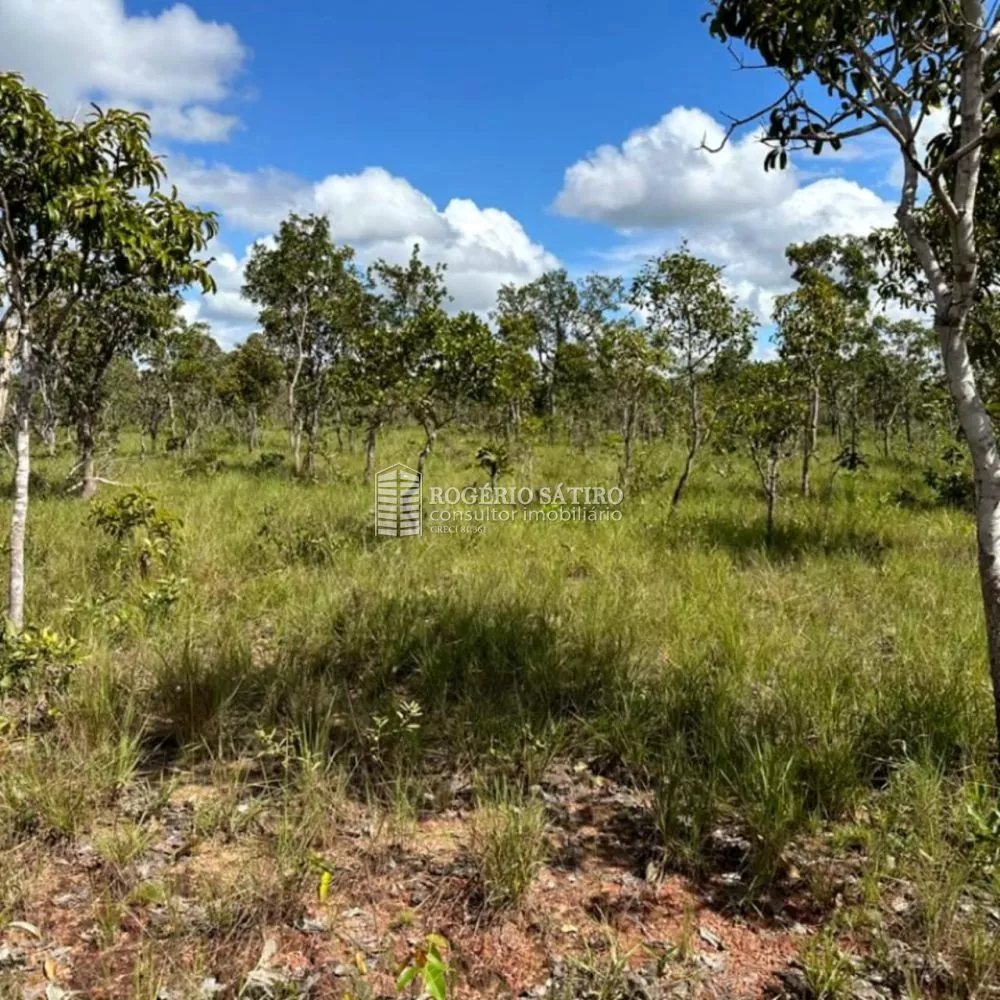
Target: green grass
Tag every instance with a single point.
(779, 690)
(853, 643)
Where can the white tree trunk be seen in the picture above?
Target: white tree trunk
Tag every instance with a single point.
(22, 472)
(981, 437)
(10, 336)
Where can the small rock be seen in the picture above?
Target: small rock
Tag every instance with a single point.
(10, 958)
(862, 989)
(714, 963)
(710, 939)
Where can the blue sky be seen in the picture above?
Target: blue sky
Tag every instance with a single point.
(504, 138)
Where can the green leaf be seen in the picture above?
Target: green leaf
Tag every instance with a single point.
(406, 977)
(436, 980)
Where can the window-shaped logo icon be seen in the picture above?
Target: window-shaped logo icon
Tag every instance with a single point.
(398, 502)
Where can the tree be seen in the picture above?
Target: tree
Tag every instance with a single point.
(766, 413)
(579, 393)
(312, 300)
(517, 370)
(117, 323)
(398, 346)
(455, 365)
(156, 401)
(886, 67)
(409, 290)
(193, 374)
(814, 322)
(551, 304)
(691, 315)
(812, 325)
(122, 396)
(894, 373)
(632, 369)
(79, 202)
(252, 374)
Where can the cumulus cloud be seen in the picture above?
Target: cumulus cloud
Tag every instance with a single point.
(379, 214)
(231, 316)
(659, 187)
(661, 176)
(172, 65)
(373, 206)
(255, 201)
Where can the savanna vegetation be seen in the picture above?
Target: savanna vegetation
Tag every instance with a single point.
(741, 740)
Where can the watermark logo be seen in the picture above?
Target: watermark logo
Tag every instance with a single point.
(398, 499)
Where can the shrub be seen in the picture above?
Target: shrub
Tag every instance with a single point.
(34, 655)
(143, 531)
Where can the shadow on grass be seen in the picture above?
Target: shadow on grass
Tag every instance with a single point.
(473, 675)
(792, 540)
(407, 692)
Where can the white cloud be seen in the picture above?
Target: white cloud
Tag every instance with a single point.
(379, 214)
(254, 201)
(231, 316)
(660, 187)
(195, 124)
(660, 176)
(373, 205)
(173, 64)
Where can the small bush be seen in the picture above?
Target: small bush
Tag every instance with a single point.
(309, 542)
(36, 656)
(954, 488)
(143, 531)
(269, 461)
(206, 464)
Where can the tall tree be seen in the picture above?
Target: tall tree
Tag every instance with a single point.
(632, 369)
(312, 299)
(690, 313)
(834, 275)
(552, 305)
(895, 373)
(456, 360)
(78, 201)
(193, 371)
(517, 370)
(395, 353)
(116, 323)
(887, 66)
(251, 376)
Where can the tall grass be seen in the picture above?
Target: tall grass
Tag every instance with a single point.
(771, 687)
